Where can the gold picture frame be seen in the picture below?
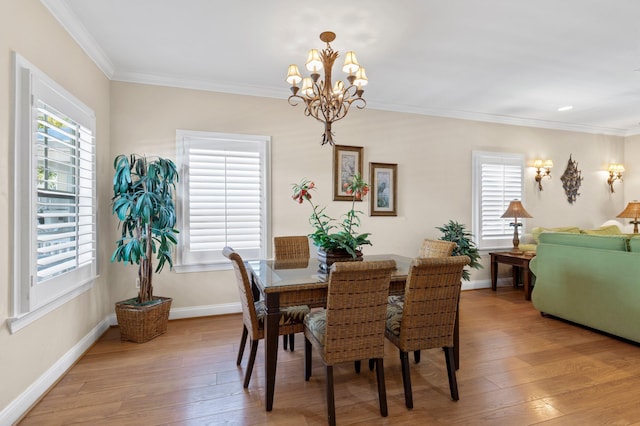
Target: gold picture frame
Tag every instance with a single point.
(347, 161)
(384, 189)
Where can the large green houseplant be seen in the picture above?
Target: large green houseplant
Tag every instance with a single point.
(143, 200)
(457, 233)
(335, 242)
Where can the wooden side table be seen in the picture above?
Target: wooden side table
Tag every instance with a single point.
(519, 262)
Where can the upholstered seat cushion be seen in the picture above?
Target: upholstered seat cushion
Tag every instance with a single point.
(394, 314)
(290, 315)
(316, 323)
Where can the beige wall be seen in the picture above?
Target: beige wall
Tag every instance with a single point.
(433, 156)
(632, 169)
(25, 27)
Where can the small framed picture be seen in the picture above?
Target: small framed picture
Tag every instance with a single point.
(347, 161)
(384, 189)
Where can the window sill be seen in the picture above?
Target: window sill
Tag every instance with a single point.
(223, 266)
(16, 324)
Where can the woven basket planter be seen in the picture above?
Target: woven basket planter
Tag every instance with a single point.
(142, 323)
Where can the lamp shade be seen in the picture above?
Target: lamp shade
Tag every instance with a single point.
(361, 78)
(314, 63)
(293, 75)
(350, 63)
(631, 211)
(515, 210)
(616, 168)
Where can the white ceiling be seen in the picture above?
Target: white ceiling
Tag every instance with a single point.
(507, 61)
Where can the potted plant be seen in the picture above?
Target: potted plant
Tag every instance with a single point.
(335, 242)
(457, 233)
(143, 201)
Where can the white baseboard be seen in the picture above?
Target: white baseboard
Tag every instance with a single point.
(477, 284)
(19, 406)
(193, 312)
(204, 311)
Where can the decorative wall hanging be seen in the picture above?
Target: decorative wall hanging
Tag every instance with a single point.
(347, 162)
(571, 180)
(384, 196)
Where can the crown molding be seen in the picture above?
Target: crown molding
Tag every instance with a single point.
(70, 22)
(500, 119)
(207, 85)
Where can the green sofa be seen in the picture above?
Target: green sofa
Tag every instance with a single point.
(593, 280)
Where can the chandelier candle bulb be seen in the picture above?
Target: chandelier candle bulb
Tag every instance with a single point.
(325, 100)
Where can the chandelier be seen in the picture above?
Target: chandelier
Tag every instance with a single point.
(324, 101)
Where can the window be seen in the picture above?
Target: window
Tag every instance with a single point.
(497, 179)
(54, 196)
(222, 198)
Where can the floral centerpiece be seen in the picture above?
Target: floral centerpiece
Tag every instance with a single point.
(334, 239)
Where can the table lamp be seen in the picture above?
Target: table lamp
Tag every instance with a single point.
(632, 211)
(516, 210)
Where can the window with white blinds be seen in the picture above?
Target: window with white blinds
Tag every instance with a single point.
(55, 193)
(223, 196)
(497, 179)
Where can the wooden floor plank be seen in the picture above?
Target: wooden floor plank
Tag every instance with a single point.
(517, 368)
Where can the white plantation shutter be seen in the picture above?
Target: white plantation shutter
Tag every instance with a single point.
(55, 204)
(223, 197)
(497, 180)
(65, 195)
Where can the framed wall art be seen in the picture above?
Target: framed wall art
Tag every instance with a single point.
(384, 189)
(347, 161)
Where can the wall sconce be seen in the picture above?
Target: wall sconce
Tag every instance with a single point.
(615, 173)
(539, 165)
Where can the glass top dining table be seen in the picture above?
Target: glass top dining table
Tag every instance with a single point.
(288, 283)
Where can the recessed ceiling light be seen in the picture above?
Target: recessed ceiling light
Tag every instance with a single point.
(565, 108)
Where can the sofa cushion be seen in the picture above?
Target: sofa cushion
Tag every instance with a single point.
(603, 230)
(535, 232)
(607, 242)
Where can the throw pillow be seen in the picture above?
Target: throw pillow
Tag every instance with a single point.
(603, 230)
(535, 232)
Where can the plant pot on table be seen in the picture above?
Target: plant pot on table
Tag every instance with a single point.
(330, 256)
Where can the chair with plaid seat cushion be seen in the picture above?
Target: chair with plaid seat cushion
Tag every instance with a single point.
(425, 317)
(351, 327)
(253, 314)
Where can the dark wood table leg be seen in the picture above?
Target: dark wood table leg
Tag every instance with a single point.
(494, 272)
(515, 273)
(272, 303)
(526, 278)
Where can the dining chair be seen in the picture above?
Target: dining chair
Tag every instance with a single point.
(294, 248)
(253, 314)
(430, 248)
(425, 318)
(436, 248)
(352, 326)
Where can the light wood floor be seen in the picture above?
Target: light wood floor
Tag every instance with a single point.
(517, 368)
